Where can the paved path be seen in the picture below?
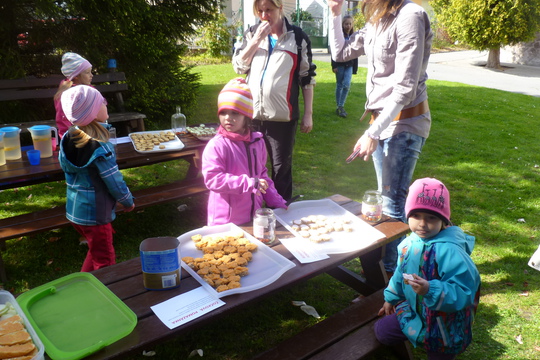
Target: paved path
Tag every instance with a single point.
(467, 67)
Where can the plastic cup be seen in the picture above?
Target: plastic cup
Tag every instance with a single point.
(34, 156)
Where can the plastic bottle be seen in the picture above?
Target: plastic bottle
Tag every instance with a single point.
(178, 122)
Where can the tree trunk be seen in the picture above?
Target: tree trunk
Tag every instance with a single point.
(494, 59)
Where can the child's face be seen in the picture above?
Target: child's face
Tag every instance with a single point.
(347, 25)
(425, 225)
(84, 78)
(103, 114)
(232, 121)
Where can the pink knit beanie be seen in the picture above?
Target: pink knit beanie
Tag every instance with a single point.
(236, 96)
(73, 64)
(81, 104)
(431, 196)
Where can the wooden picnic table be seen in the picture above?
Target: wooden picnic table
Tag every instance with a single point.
(126, 281)
(17, 173)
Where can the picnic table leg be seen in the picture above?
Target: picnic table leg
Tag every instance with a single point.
(3, 275)
(195, 165)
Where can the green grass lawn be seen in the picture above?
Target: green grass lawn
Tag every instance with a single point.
(482, 146)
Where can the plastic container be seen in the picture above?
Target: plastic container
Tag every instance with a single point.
(160, 258)
(41, 137)
(76, 315)
(12, 142)
(5, 297)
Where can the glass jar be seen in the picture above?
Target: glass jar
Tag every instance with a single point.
(372, 205)
(264, 226)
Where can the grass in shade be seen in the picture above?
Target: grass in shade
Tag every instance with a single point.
(482, 145)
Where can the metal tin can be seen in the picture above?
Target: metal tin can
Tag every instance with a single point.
(264, 226)
(372, 205)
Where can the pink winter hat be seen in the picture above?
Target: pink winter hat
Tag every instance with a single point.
(236, 96)
(431, 196)
(73, 64)
(81, 104)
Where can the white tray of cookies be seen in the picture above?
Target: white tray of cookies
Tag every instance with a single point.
(155, 141)
(330, 227)
(263, 265)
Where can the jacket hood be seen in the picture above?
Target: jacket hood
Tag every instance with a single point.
(455, 235)
(101, 149)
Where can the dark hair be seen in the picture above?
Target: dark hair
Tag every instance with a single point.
(343, 20)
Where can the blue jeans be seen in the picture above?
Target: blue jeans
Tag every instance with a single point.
(395, 160)
(343, 84)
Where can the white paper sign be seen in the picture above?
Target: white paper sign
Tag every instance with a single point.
(186, 307)
(303, 250)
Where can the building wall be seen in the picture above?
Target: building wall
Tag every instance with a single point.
(524, 53)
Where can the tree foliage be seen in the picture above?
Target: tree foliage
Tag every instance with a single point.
(217, 36)
(489, 24)
(142, 35)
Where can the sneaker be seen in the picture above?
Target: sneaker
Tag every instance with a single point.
(342, 112)
(338, 110)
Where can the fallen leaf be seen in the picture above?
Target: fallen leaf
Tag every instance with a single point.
(49, 262)
(509, 284)
(298, 303)
(525, 293)
(149, 353)
(519, 339)
(29, 197)
(48, 187)
(537, 348)
(53, 239)
(196, 352)
(525, 284)
(521, 220)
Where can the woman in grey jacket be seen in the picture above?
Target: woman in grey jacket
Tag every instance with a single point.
(397, 42)
(276, 56)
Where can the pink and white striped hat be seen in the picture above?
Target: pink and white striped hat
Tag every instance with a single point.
(236, 96)
(81, 104)
(73, 64)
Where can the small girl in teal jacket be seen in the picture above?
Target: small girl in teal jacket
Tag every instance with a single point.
(432, 297)
(94, 183)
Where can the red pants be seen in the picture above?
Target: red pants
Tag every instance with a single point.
(100, 246)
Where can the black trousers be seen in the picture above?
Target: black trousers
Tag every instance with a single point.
(279, 138)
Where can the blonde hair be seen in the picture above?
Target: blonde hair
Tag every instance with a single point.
(375, 10)
(83, 134)
(276, 3)
(64, 85)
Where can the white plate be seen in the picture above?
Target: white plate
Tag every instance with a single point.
(534, 261)
(363, 234)
(175, 144)
(265, 268)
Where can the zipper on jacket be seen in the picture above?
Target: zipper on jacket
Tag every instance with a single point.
(246, 144)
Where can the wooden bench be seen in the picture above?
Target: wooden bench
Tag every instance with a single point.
(111, 85)
(346, 335)
(35, 222)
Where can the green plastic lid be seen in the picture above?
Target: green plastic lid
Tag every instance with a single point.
(76, 315)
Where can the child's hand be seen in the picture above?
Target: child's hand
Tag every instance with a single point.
(387, 309)
(128, 209)
(419, 285)
(263, 185)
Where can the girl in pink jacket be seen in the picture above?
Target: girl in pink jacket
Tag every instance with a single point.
(234, 162)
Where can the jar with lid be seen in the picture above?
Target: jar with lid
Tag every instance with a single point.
(264, 226)
(372, 205)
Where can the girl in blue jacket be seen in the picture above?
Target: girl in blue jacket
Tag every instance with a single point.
(432, 297)
(234, 161)
(94, 183)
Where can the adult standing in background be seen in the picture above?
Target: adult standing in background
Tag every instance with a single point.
(397, 42)
(276, 56)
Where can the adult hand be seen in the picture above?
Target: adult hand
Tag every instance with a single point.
(367, 146)
(263, 185)
(419, 285)
(307, 124)
(387, 309)
(263, 30)
(335, 6)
